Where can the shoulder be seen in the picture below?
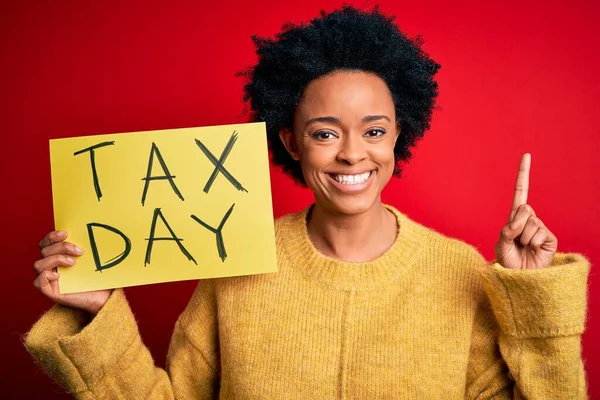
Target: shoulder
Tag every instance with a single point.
(288, 228)
(456, 250)
(290, 235)
(292, 222)
(449, 264)
(437, 246)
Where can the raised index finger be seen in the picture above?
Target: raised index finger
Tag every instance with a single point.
(522, 186)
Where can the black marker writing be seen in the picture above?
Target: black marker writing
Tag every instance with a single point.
(220, 243)
(167, 175)
(111, 263)
(219, 164)
(93, 162)
(152, 239)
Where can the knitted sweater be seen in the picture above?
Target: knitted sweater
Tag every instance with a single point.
(429, 319)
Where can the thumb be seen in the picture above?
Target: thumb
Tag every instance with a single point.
(47, 282)
(510, 231)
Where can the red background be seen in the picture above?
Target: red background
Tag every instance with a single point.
(516, 77)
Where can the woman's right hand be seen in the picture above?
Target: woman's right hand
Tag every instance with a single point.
(56, 252)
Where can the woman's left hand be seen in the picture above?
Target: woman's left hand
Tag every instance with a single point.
(525, 242)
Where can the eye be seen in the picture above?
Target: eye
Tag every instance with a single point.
(323, 135)
(375, 132)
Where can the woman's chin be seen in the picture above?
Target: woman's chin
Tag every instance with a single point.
(352, 205)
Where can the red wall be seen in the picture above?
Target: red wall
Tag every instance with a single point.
(515, 77)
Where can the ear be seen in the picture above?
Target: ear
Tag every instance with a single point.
(289, 141)
(398, 131)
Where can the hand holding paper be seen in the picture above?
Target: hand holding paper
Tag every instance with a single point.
(56, 253)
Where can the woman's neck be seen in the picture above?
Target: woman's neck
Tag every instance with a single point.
(354, 238)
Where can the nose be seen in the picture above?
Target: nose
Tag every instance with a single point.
(352, 149)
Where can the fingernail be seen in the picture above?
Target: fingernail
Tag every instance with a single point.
(55, 273)
(514, 225)
(78, 250)
(70, 260)
(61, 233)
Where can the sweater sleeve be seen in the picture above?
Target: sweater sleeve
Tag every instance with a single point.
(540, 316)
(106, 358)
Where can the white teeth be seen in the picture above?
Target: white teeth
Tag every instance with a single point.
(352, 179)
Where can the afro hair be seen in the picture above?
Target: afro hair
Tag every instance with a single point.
(347, 39)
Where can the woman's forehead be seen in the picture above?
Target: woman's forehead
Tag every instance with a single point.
(346, 93)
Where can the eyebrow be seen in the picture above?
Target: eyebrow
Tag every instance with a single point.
(335, 120)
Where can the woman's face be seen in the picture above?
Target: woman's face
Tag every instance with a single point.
(344, 135)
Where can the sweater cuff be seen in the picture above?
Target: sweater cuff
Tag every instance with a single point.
(77, 354)
(538, 303)
(42, 343)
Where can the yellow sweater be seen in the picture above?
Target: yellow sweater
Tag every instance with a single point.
(416, 323)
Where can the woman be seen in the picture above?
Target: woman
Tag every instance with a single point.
(367, 303)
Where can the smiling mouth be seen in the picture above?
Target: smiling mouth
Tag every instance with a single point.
(351, 179)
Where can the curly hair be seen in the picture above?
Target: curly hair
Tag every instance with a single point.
(346, 39)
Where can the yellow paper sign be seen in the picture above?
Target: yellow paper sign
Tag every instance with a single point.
(163, 206)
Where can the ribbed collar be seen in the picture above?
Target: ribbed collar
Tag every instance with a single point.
(342, 275)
